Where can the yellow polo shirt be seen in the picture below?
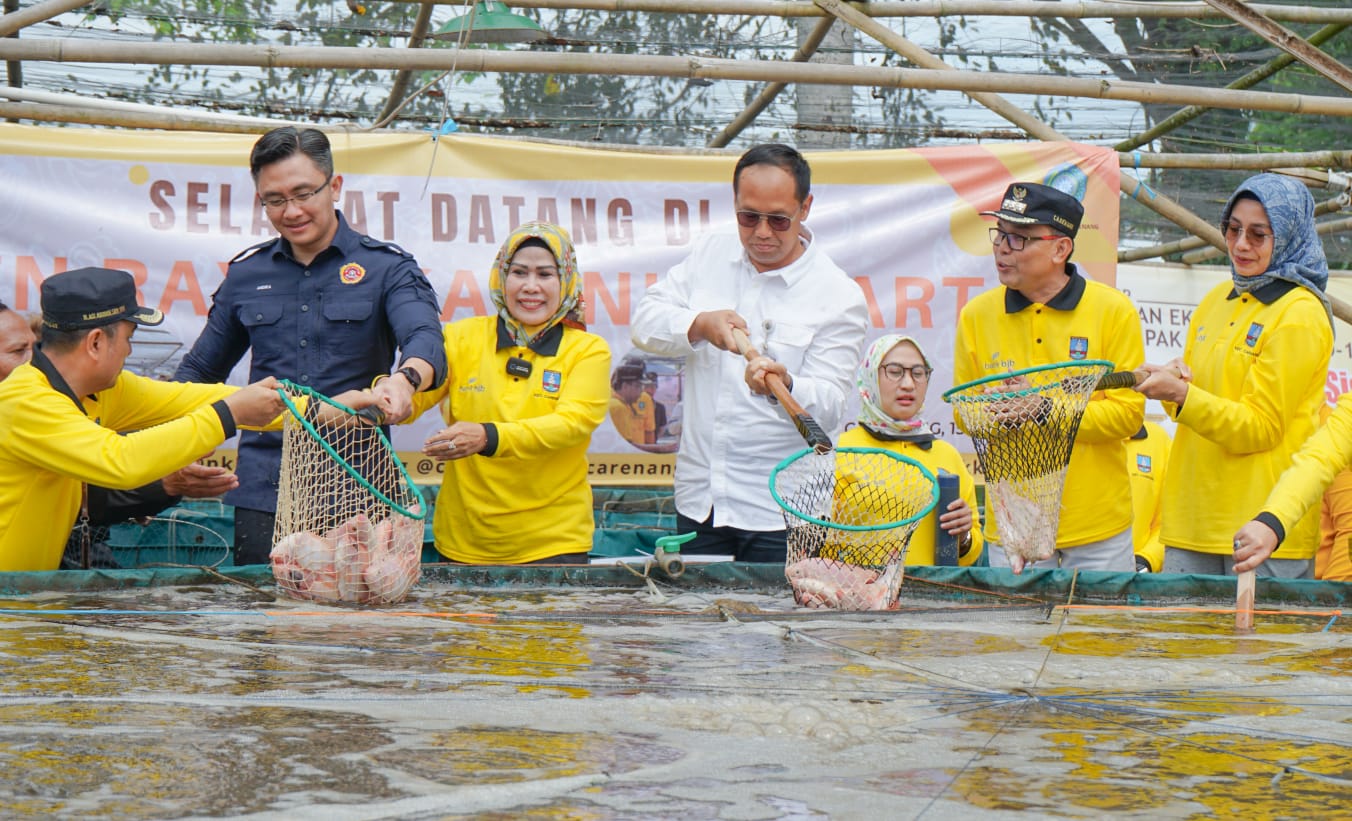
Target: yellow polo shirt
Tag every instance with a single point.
(1001, 331)
(49, 449)
(938, 456)
(1259, 363)
(526, 497)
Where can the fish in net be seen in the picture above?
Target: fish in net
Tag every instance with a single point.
(850, 513)
(1023, 426)
(349, 518)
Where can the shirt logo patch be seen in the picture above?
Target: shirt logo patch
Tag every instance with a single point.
(1079, 347)
(351, 273)
(552, 381)
(1255, 331)
(1143, 462)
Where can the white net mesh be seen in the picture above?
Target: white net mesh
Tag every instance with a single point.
(349, 520)
(850, 513)
(1023, 427)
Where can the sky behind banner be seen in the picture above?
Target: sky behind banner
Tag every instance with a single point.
(175, 208)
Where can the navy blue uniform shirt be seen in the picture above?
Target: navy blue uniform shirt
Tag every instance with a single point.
(333, 325)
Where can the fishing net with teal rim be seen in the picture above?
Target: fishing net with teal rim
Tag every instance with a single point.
(349, 518)
(1023, 425)
(850, 513)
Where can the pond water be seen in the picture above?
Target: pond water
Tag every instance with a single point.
(616, 704)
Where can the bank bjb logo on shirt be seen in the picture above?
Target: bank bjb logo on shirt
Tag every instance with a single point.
(1255, 331)
(1143, 462)
(351, 273)
(552, 380)
(1079, 347)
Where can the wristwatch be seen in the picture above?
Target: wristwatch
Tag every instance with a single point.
(411, 374)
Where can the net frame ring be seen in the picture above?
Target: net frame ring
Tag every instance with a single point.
(960, 393)
(406, 480)
(834, 455)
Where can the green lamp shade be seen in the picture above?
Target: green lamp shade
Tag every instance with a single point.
(491, 22)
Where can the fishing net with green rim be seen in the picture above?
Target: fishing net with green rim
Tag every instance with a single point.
(850, 513)
(1023, 425)
(349, 518)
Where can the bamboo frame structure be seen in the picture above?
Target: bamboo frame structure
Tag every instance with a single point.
(932, 74)
(1161, 205)
(1077, 9)
(689, 68)
(1286, 40)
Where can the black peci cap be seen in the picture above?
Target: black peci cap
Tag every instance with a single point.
(1029, 203)
(92, 298)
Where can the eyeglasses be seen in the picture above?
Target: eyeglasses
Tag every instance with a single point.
(1255, 236)
(1017, 242)
(895, 372)
(278, 203)
(751, 219)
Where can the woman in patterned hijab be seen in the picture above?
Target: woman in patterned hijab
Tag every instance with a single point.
(525, 389)
(1248, 389)
(893, 378)
(522, 320)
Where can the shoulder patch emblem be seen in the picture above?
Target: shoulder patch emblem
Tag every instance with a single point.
(351, 273)
(1143, 462)
(1079, 347)
(1255, 331)
(552, 381)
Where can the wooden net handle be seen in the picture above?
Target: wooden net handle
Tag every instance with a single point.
(811, 432)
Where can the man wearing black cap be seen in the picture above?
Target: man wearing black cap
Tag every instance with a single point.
(320, 305)
(1046, 312)
(61, 413)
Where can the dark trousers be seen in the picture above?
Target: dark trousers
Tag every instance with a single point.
(742, 545)
(253, 535)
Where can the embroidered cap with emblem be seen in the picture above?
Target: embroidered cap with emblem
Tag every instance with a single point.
(1029, 203)
(92, 298)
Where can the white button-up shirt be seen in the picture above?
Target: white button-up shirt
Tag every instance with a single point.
(808, 315)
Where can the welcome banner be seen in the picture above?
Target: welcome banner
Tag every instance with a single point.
(175, 208)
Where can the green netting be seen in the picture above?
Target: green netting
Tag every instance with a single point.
(962, 585)
(1023, 425)
(850, 513)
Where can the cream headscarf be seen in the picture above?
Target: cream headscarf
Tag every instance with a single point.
(570, 284)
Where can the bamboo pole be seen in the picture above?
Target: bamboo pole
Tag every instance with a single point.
(1253, 78)
(1191, 243)
(53, 50)
(55, 101)
(771, 91)
(165, 119)
(1080, 9)
(1224, 162)
(38, 13)
(1286, 40)
(1129, 185)
(395, 101)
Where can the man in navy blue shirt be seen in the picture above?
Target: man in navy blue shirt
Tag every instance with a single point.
(320, 305)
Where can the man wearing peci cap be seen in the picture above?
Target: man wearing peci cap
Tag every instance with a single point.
(1046, 312)
(61, 414)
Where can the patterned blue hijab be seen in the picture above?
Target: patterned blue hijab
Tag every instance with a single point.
(1297, 253)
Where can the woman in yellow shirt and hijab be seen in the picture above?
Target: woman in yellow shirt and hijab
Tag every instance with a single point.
(525, 390)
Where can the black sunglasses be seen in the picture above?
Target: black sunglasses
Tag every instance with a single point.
(751, 219)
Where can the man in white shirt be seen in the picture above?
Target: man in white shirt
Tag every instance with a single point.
(799, 309)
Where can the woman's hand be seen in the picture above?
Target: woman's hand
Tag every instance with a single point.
(1254, 543)
(456, 442)
(1167, 383)
(957, 520)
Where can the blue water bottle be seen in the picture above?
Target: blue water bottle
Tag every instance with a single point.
(945, 543)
